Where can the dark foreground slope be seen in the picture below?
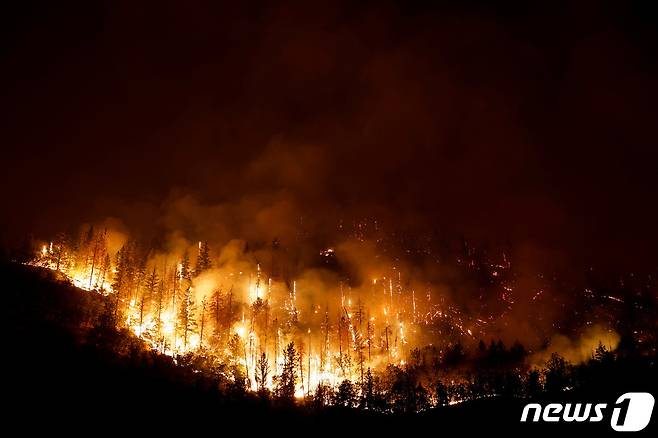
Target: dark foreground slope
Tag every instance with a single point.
(68, 370)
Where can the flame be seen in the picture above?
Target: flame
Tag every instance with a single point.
(328, 353)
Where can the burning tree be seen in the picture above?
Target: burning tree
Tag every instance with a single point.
(147, 296)
(187, 323)
(203, 262)
(353, 336)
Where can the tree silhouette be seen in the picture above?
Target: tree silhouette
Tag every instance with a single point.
(285, 385)
(532, 385)
(203, 262)
(557, 374)
(441, 394)
(345, 395)
(368, 391)
(187, 324)
(262, 371)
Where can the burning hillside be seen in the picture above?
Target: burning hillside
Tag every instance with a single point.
(354, 308)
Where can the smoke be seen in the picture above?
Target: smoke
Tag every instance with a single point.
(369, 136)
(332, 259)
(206, 284)
(381, 272)
(116, 233)
(578, 350)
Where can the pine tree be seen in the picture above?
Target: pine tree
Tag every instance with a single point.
(84, 254)
(203, 262)
(215, 308)
(346, 394)
(285, 388)
(358, 339)
(260, 310)
(187, 324)
(344, 358)
(185, 270)
(557, 374)
(99, 248)
(532, 384)
(120, 273)
(159, 304)
(123, 278)
(148, 294)
(61, 252)
(175, 288)
(262, 371)
(180, 307)
(204, 309)
(86, 244)
(368, 391)
(104, 269)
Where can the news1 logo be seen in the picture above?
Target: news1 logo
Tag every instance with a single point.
(631, 412)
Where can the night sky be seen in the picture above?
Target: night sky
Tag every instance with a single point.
(530, 124)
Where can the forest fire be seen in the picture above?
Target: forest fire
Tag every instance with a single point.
(238, 319)
(413, 213)
(325, 329)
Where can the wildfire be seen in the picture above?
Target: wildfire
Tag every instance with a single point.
(175, 310)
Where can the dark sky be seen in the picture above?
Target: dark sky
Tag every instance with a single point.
(527, 123)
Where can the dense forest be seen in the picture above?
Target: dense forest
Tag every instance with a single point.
(69, 362)
(403, 218)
